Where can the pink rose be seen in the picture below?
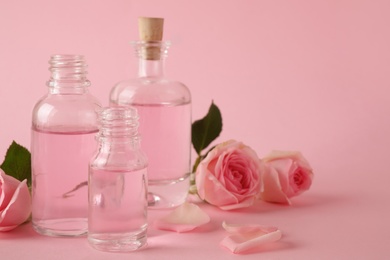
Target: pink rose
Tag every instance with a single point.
(15, 202)
(229, 176)
(288, 174)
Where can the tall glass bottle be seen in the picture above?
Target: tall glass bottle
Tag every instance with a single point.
(118, 184)
(64, 123)
(164, 107)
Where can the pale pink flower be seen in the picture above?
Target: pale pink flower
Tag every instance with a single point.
(15, 202)
(288, 174)
(186, 217)
(229, 176)
(245, 237)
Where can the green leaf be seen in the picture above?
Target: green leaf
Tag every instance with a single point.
(207, 129)
(17, 163)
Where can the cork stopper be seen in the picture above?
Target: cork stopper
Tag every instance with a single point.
(150, 29)
(150, 33)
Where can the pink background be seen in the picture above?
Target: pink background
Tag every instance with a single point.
(293, 75)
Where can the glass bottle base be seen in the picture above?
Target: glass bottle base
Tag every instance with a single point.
(118, 242)
(164, 194)
(68, 227)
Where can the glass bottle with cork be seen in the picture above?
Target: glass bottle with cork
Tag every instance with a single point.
(164, 107)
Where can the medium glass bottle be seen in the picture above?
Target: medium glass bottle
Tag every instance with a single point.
(64, 123)
(164, 107)
(118, 184)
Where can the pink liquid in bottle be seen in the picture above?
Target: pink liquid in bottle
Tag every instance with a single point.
(166, 138)
(60, 164)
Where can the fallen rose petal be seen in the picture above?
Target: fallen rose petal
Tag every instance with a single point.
(240, 243)
(186, 217)
(245, 237)
(246, 228)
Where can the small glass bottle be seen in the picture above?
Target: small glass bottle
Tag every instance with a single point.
(64, 124)
(164, 107)
(118, 184)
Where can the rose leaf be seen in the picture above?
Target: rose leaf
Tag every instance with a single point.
(207, 129)
(17, 163)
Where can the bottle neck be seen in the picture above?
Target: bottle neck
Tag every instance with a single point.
(68, 75)
(151, 68)
(151, 58)
(118, 127)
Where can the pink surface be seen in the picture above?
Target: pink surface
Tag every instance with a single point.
(301, 75)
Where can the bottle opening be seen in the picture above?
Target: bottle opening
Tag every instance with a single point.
(68, 68)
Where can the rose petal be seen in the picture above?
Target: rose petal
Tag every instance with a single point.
(283, 166)
(186, 217)
(211, 190)
(8, 185)
(247, 237)
(240, 243)
(272, 189)
(294, 155)
(243, 204)
(18, 209)
(246, 228)
(4, 229)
